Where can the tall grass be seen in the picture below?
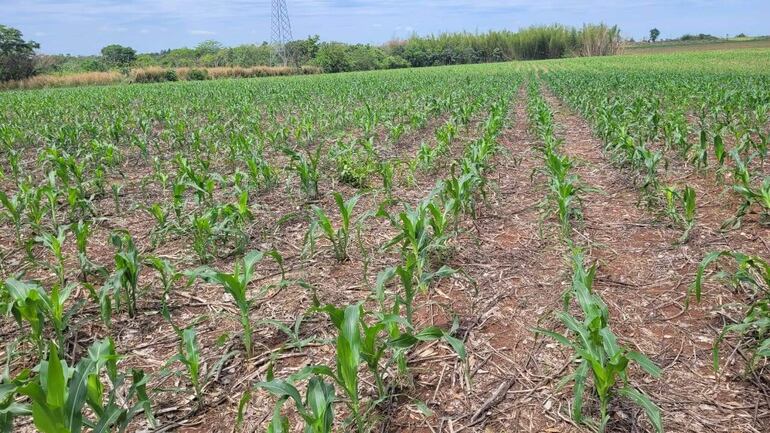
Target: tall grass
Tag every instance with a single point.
(532, 43)
(599, 40)
(544, 42)
(82, 79)
(153, 75)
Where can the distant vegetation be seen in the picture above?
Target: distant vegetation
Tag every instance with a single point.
(701, 42)
(541, 42)
(698, 37)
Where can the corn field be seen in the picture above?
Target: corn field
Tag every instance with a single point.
(574, 245)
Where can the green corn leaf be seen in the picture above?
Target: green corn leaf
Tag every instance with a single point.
(56, 382)
(644, 362)
(652, 411)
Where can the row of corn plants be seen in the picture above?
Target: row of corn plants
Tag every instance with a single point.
(602, 364)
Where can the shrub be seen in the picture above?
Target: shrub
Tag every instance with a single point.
(171, 75)
(698, 37)
(93, 65)
(197, 75)
(394, 62)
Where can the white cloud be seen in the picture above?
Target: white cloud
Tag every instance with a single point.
(202, 32)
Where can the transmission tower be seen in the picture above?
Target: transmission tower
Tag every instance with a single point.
(280, 30)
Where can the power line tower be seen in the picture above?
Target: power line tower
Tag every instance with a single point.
(280, 30)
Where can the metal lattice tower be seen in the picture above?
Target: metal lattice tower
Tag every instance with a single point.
(280, 30)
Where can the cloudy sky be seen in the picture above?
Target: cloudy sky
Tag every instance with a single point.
(84, 26)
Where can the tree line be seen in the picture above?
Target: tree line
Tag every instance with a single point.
(541, 42)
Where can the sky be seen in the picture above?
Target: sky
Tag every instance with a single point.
(83, 27)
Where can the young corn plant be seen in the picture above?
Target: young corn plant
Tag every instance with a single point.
(752, 195)
(168, 274)
(357, 342)
(261, 174)
(423, 234)
(650, 160)
(123, 284)
(189, 356)
(60, 394)
(598, 352)
(55, 245)
(317, 409)
(36, 210)
(236, 284)
(307, 169)
(751, 272)
(387, 173)
(178, 199)
(203, 235)
(14, 211)
(680, 208)
(82, 231)
(564, 188)
(200, 180)
(759, 195)
(9, 386)
(162, 224)
(340, 237)
(29, 302)
(458, 195)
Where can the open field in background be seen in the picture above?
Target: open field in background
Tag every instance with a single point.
(681, 46)
(375, 251)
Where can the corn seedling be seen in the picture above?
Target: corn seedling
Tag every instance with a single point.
(55, 245)
(189, 356)
(123, 284)
(236, 284)
(307, 169)
(14, 209)
(162, 224)
(317, 409)
(680, 208)
(752, 272)
(387, 173)
(9, 386)
(36, 209)
(340, 237)
(28, 302)
(357, 342)
(82, 231)
(597, 351)
(168, 274)
(59, 395)
(423, 233)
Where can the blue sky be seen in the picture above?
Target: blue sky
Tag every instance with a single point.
(84, 26)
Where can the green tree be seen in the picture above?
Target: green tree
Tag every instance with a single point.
(209, 48)
(301, 52)
(654, 34)
(365, 57)
(333, 57)
(16, 55)
(118, 55)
